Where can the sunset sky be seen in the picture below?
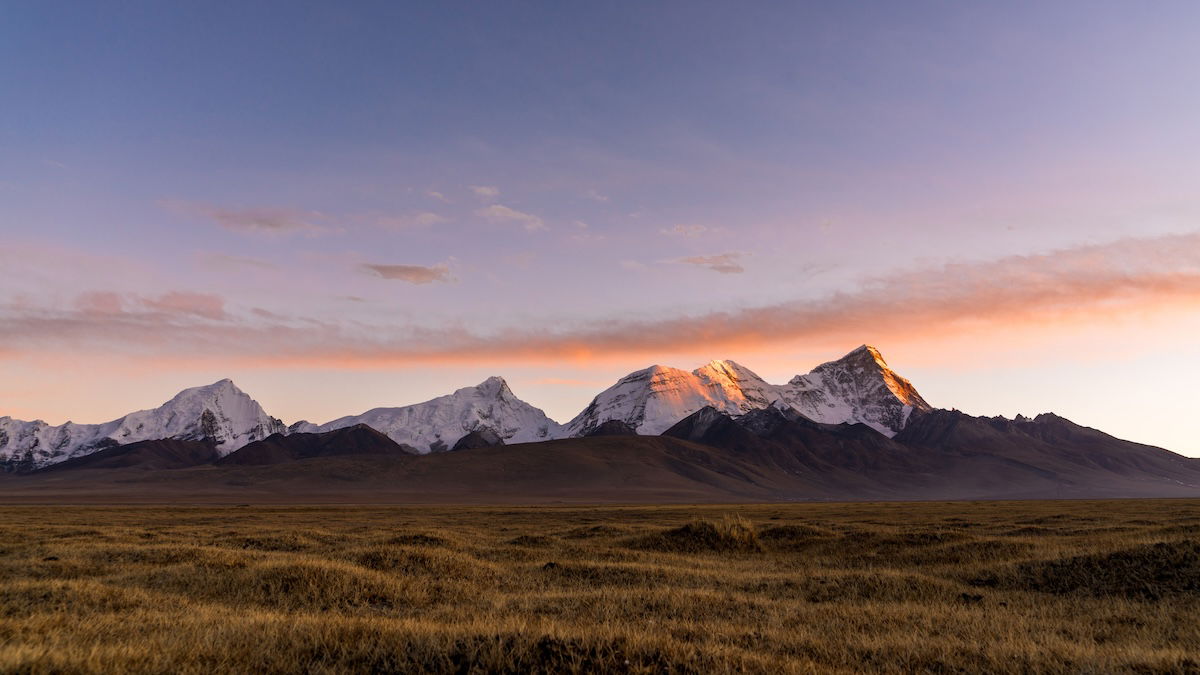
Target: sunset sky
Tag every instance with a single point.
(348, 205)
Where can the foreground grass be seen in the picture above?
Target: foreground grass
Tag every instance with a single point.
(1001, 587)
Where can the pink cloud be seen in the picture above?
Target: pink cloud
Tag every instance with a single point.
(99, 302)
(1083, 286)
(256, 219)
(181, 302)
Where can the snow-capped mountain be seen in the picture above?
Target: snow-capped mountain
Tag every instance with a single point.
(653, 399)
(219, 413)
(859, 387)
(439, 423)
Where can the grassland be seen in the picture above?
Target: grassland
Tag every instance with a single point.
(933, 587)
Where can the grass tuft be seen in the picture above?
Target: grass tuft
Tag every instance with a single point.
(731, 534)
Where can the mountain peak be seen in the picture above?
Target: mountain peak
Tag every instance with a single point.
(219, 414)
(493, 386)
(859, 387)
(224, 386)
(726, 367)
(651, 400)
(439, 423)
(865, 354)
(654, 370)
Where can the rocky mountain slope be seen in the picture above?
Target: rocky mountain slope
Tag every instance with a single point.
(355, 440)
(859, 387)
(219, 414)
(942, 454)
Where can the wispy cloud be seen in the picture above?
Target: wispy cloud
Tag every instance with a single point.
(725, 263)
(174, 303)
(485, 191)
(224, 261)
(684, 230)
(1082, 286)
(413, 274)
(205, 305)
(498, 213)
(408, 221)
(99, 303)
(583, 233)
(434, 194)
(595, 195)
(261, 220)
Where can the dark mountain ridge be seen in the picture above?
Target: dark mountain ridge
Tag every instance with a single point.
(771, 454)
(359, 439)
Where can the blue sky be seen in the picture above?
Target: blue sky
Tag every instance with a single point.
(314, 192)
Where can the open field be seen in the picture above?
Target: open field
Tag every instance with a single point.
(938, 587)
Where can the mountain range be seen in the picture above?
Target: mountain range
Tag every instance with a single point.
(851, 428)
(858, 388)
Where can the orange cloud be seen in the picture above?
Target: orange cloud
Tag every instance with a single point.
(725, 263)
(1088, 285)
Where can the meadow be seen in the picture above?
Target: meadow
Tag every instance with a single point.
(1069, 586)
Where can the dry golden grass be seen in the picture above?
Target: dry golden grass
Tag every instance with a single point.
(999, 587)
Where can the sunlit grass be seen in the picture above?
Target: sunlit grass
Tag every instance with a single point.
(1001, 587)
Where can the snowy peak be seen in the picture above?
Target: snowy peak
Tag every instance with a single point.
(493, 387)
(439, 423)
(653, 399)
(870, 360)
(859, 387)
(219, 413)
(737, 384)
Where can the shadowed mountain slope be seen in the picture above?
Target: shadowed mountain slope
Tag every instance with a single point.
(773, 454)
(359, 439)
(596, 469)
(143, 455)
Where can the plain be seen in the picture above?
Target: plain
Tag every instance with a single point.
(1092, 586)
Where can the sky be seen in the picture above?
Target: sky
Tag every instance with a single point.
(349, 205)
